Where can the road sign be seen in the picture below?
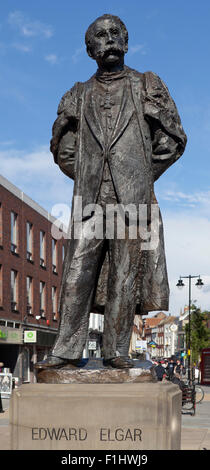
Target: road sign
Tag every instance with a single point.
(30, 336)
(141, 345)
(92, 345)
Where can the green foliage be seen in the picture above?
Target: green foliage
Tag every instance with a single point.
(199, 333)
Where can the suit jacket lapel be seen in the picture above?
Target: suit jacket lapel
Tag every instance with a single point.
(124, 116)
(92, 117)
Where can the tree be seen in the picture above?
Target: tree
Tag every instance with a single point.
(199, 332)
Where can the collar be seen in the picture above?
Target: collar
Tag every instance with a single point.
(108, 77)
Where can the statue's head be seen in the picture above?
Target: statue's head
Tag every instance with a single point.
(107, 40)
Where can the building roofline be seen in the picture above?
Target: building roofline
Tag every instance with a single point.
(26, 199)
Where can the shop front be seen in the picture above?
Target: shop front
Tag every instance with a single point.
(21, 349)
(11, 341)
(37, 344)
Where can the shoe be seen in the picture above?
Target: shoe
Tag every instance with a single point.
(120, 362)
(54, 361)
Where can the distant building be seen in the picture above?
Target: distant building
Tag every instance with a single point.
(168, 337)
(151, 333)
(161, 334)
(183, 320)
(136, 335)
(30, 276)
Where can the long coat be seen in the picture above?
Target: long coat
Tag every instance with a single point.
(136, 160)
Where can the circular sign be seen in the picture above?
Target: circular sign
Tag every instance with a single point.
(173, 327)
(30, 334)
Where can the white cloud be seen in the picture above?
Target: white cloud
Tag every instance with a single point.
(137, 48)
(36, 174)
(7, 143)
(198, 201)
(21, 47)
(187, 246)
(201, 197)
(52, 59)
(27, 27)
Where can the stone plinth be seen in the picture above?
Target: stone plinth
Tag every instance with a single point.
(93, 371)
(124, 416)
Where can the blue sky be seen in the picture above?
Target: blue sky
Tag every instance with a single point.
(42, 55)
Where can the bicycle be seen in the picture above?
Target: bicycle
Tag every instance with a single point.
(199, 392)
(188, 399)
(188, 393)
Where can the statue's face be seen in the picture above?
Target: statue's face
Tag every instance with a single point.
(107, 43)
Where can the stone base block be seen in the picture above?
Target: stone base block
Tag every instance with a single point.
(128, 416)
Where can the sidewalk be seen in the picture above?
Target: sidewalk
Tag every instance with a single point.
(195, 429)
(4, 431)
(195, 439)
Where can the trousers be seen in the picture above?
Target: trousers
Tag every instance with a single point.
(83, 262)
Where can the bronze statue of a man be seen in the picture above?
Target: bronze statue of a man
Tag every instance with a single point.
(114, 136)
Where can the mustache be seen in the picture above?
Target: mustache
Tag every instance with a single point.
(107, 50)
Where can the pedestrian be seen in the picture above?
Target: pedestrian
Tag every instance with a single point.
(170, 369)
(165, 364)
(160, 371)
(179, 369)
(1, 406)
(196, 373)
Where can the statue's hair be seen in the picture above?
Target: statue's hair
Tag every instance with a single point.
(105, 17)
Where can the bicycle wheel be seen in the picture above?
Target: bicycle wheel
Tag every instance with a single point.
(199, 394)
(187, 406)
(187, 399)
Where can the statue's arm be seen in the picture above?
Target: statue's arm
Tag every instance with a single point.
(168, 137)
(66, 153)
(64, 132)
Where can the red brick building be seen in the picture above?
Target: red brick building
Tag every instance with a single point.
(30, 275)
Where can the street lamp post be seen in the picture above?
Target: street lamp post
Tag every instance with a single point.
(181, 284)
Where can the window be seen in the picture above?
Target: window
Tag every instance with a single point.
(14, 232)
(1, 226)
(29, 240)
(54, 302)
(42, 298)
(54, 255)
(14, 290)
(42, 248)
(63, 252)
(1, 286)
(29, 294)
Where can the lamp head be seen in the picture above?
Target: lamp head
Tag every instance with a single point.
(180, 283)
(199, 283)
